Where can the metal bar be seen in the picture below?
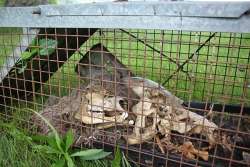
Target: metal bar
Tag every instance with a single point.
(196, 9)
(192, 16)
(189, 58)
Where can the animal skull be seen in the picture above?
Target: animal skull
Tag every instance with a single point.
(94, 106)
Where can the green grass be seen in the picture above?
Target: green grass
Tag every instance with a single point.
(220, 65)
(215, 68)
(52, 1)
(9, 40)
(16, 148)
(15, 153)
(2, 2)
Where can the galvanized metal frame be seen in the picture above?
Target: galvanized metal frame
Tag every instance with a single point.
(190, 16)
(16, 55)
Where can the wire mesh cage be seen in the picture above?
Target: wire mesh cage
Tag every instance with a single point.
(166, 97)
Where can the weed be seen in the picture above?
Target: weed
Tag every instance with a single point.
(61, 151)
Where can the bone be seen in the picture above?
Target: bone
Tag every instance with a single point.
(196, 124)
(142, 109)
(148, 134)
(101, 106)
(139, 85)
(246, 157)
(158, 141)
(98, 118)
(88, 117)
(172, 117)
(164, 126)
(100, 103)
(155, 112)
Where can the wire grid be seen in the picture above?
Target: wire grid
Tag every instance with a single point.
(199, 67)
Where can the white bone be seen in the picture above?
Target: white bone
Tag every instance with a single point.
(131, 122)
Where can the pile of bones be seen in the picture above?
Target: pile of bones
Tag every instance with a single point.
(153, 115)
(146, 106)
(156, 113)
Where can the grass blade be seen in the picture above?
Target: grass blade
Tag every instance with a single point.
(117, 160)
(125, 161)
(69, 139)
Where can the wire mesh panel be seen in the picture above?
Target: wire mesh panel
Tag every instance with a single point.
(167, 98)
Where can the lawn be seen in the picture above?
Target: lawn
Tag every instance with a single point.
(219, 69)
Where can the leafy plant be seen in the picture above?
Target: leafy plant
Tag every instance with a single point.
(52, 1)
(47, 47)
(120, 159)
(125, 162)
(60, 148)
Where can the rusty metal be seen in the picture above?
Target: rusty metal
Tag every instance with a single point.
(209, 73)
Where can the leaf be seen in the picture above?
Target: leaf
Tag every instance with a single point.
(97, 156)
(52, 142)
(26, 55)
(46, 149)
(33, 42)
(69, 160)
(21, 70)
(47, 46)
(117, 160)
(34, 51)
(86, 152)
(69, 139)
(91, 154)
(46, 139)
(40, 138)
(59, 163)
